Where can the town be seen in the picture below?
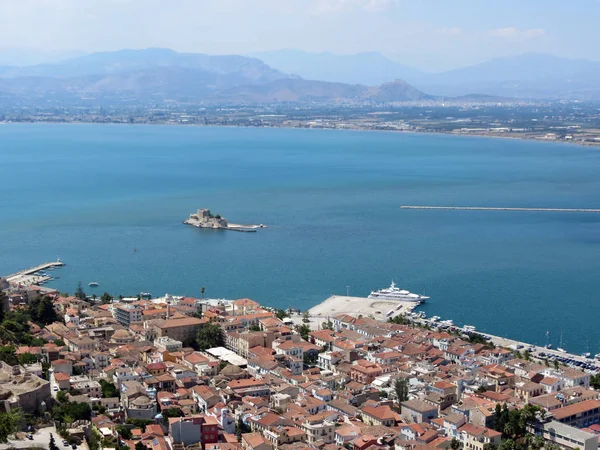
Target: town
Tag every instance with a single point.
(549, 121)
(176, 373)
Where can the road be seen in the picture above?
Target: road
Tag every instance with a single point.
(41, 438)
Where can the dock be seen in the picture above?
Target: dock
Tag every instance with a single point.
(28, 277)
(487, 208)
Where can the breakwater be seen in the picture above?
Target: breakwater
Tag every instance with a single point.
(486, 208)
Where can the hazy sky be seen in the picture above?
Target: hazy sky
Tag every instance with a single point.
(432, 34)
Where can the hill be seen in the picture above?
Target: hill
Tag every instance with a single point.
(369, 68)
(164, 75)
(529, 75)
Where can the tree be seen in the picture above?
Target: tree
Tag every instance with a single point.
(140, 423)
(9, 422)
(106, 298)
(79, 293)
(52, 445)
(281, 314)
(305, 317)
(199, 312)
(7, 354)
(556, 364)
(27, 358)
(527, 355)
(455, 444)
(109, 390)
(304, 330)
(507, 444)
(140, 446)
(59, 343)
(172, 412)
(62, 397)
(401, 389)
(202, 291)
(254, 328)
(209, 336)
(327, 325)
(595, 381)
(124, 431)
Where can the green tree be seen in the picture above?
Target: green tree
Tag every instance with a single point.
(9, 422)
(172, 412)
(527, 355)
(106, 298)
(209, 336)
(455, 444)
(595, 381)
(304, 330)
(140, 423)
(327, 325)
(109, 390)
(254, 328)
(305, 317)
(281, 314)
(59, 343)
(79, 293)
(52, 445)
(124, 431)
(45, 313)
(140, 446)
(62, 397)
(401, 389)
(507, 444)
(27, 358)
(399, 320)
(8, 355)
(556, 365)
(199, 312)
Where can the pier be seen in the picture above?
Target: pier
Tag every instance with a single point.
(486, 208)
(29, 276)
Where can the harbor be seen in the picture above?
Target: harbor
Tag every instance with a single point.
(35, 275)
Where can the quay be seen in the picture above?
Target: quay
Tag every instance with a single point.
(486, 208)
(29, 276)
(367, 307)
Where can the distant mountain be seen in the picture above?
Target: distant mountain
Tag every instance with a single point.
(299, 90)
(104, 63)
(162, 74)
(370, 68)
(529, 75)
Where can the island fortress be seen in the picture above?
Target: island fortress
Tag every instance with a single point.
(203, 218)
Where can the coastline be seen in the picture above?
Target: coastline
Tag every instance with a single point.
(361, 130)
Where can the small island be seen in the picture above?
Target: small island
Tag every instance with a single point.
(203, 218)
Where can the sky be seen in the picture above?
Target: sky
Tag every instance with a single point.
(433, 35)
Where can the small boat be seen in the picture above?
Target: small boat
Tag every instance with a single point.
(597, 356)
(560, 349)
(469, 328)
(93, 284)
(586, 355)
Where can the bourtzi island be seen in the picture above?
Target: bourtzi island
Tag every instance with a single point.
(203, 218)
(175, 373)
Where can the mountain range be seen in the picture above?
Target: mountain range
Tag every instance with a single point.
(157, 75)
(163, 74)
(529, 75)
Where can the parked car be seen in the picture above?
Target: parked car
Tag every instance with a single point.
(74, 446)
(55, 388)
(29, 436)
(66, 443)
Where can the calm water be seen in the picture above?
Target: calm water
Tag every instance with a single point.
(91, 194)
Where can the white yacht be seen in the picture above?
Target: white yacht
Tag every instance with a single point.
(395, 293)
(93, 284)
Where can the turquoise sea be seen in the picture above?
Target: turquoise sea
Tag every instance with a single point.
(92, 193)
